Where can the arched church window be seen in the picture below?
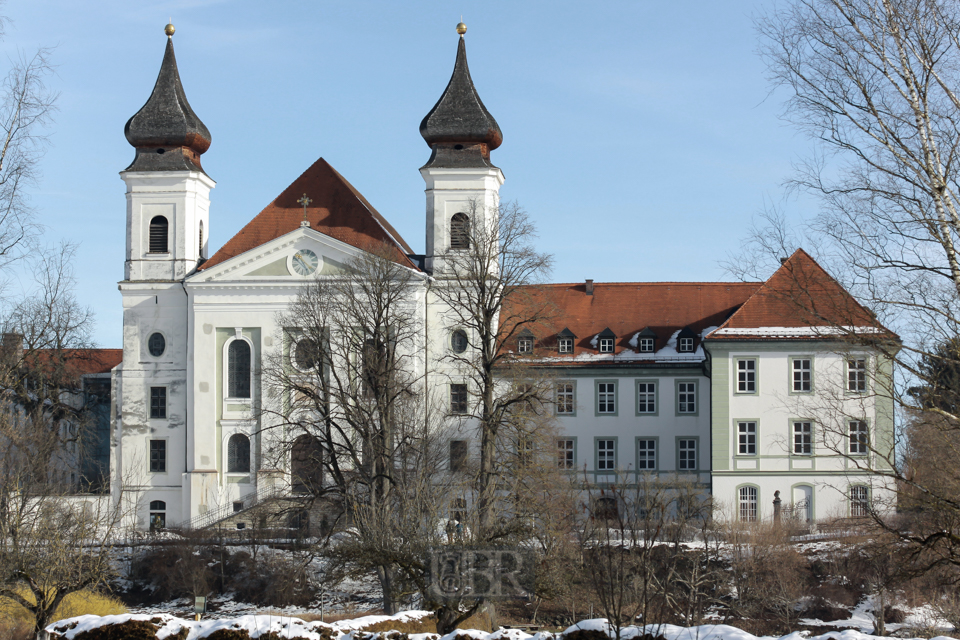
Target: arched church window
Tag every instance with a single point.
(238, 454)
(306, 464)
(460, 231)
(158, 234)
(200, 249)
(238, 369)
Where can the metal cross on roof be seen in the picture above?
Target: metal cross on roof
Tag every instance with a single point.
(304, 200)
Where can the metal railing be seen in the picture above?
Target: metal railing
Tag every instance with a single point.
(224, 511)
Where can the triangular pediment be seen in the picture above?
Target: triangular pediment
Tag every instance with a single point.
(294, 257)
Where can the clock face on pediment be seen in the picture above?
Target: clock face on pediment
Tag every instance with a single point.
(304, 262)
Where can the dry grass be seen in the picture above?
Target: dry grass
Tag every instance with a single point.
(75, 604)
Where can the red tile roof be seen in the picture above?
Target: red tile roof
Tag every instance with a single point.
(801, 295)
(338, 210)
(78, 362)
(629, 307)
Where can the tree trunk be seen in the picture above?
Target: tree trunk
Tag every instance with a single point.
(387, 587)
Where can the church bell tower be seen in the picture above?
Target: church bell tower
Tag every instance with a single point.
(462, 184)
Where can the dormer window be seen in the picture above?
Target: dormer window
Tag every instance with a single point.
(685, 341)
(525, 342)
(565, 341)
(606, 341)
(646, 341)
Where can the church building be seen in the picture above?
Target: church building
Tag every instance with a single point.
(734, 386)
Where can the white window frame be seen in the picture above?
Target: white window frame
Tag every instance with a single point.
(802, 438)
(649, 454)
(565, 345)
(748, 503)
(856, 375)
(524, 345)
(607, 396)
(747, 436)
(606, 345)
(606, 454)
(563, 394)
(859, 504)
(856, 445)
(685, 345)
(645, 344)
(567, 446)
(746, 370)
(683, 446)
(794, 371)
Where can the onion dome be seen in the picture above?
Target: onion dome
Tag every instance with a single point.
(166, 133)
(459, 129)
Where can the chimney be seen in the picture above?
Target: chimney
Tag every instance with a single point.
(589, 287)
(783, 260)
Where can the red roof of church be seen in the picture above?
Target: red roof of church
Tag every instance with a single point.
(80, 361)
(337, 210)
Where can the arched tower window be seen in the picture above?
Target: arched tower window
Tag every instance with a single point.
(158, 234)
(238, 369)
(200, 249)
(238, 454)
(460, 231)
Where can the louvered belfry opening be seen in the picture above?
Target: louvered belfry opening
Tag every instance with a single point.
(460, 231)
(158, 234)
(238, 369)
(200, 249)
(238, 454)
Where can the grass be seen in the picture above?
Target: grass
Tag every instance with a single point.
(75, 604)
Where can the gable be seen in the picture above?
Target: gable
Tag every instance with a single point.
(336, 210)
(800, 300)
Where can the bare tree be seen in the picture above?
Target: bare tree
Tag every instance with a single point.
(874, 84)
(486, 290)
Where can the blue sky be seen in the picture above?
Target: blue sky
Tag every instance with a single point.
(641, 136)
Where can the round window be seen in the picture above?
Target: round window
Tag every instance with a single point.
(156, 344)
(305, 354)
(458, 341)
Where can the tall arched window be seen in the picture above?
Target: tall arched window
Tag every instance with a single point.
(748, 504)
(200, 250)
(238, 454)
(158, 234)
(306, 464)
(460, 231)
(238, 369)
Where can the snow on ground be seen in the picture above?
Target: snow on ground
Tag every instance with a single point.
(286, 627)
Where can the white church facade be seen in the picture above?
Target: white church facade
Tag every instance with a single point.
(725, 384)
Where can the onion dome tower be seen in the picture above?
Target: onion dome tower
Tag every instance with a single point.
(166, 133)
(459, 129)
(168, 193)
(462, 184)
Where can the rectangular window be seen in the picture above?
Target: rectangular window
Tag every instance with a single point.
(458, 455)
(606, 455)
(856, 376)
(687, 454)
(859, 438)
(566, 456)
(859, 501)
(686, 397)
(158, 402)
(646, 345)
(565, 345)
(646, 397)
(686, 345)
(524, 450)
(746, 376)
(747, 438)
(607, 397)
(802, 438)
(606, 345)
(158, 456)
(802, 381)
(458, 398)
(565, 399)
(525, 345)
(748, 504)
(646, 455)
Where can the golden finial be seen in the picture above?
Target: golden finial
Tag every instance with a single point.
(169, 29)
(461, 28)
